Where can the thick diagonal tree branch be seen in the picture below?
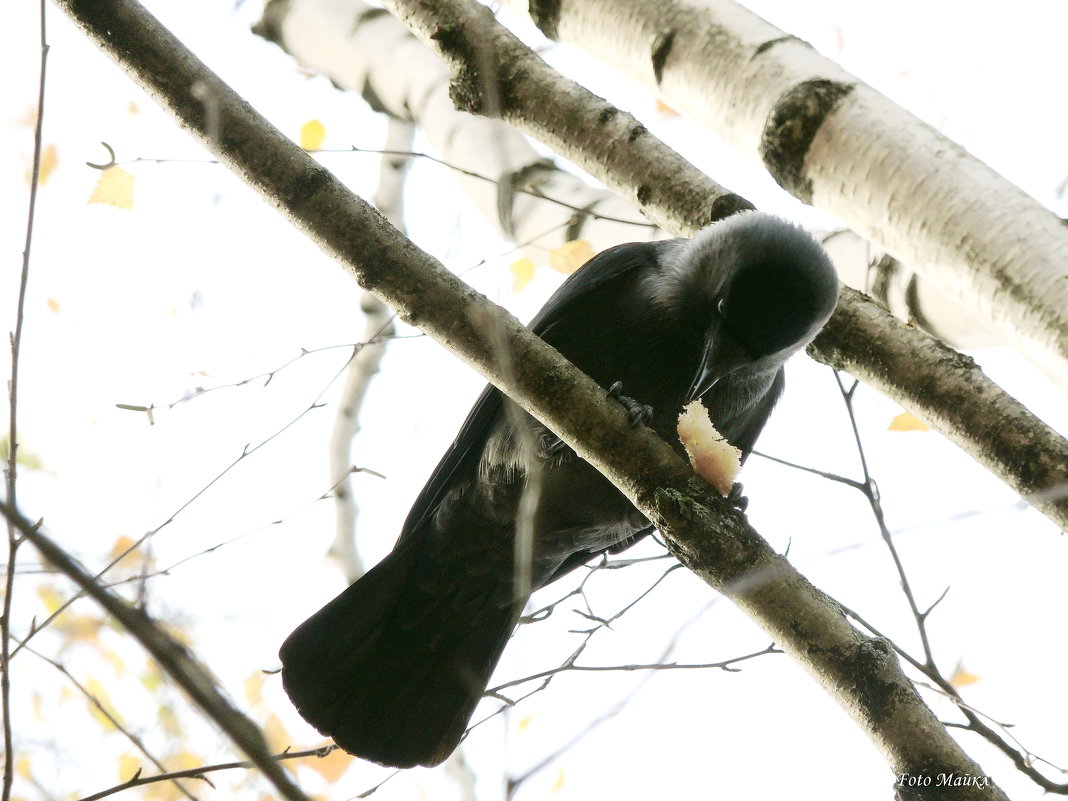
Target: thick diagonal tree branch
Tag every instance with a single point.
(362, 50)
(707, 534)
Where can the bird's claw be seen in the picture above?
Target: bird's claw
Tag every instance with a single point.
(736, 499)
(638, 412)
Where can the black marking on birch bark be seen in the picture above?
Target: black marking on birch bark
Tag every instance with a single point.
(546, 15)
(912, 303)
(525, 177)
(661, 51)
(884, 271)
(766, 46)
(791, 127)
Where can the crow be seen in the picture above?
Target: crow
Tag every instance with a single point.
(393, 667)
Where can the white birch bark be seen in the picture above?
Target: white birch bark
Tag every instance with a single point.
(375, 55)
(378, 328)
(365, 50)
(892, 178)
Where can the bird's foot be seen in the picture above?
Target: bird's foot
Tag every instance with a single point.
(638, 412)
(736, 499)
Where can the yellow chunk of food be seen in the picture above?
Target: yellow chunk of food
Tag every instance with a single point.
(711, 456)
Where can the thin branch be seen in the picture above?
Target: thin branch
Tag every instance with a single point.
(111, 718)
(522, 189)
(871, 492)
(171, 656)
(137, 780)
(12, 431)
(567, 667)
(1021, 757)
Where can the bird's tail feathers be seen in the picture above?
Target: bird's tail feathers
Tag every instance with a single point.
(392, 669)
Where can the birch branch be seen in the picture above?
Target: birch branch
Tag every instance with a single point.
(520, 191)
(378, 328)
(836, 143)
(702, 529)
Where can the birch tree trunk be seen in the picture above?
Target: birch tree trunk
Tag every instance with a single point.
(836, 143)
(523, 193)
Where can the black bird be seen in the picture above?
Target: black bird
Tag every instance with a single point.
(393, 667)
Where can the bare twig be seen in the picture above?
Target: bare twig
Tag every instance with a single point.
(12, 431)
(111, 718)
(1021, 757)
(137, 780)
(171, 656)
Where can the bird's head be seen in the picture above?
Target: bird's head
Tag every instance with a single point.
(767, 287)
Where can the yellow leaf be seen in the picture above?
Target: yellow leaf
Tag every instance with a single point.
(128, 767)
(51, 598)
(275, 733)
(665, 110)
(312, 135)
(114, 658)
(170, 791)
(524, 722)
(49, 160)
(133, 108)
(558, 785)
(254, 687)
(114, 188)
(100, 695)
(570, 256)
(22, 767)
(962, 678)
(38, 707)
(907, 422)
(53, 305)
(331, 767)
(168, 721)
(151, 679)
(186, 760)
(522, 273)
(123, 544)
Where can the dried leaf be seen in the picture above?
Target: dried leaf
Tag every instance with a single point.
(962, 678)
(128, 767)
(123, 544)
(332, 766)
(665, 110)
(570, 256)
(98, 692)
(49, 160)
(558, 785)
(907, 422)
(114, 188)
(312, 135)
(522, 273)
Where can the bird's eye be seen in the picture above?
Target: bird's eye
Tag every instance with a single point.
(721, 306)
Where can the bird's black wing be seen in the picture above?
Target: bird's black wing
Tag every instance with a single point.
(593, 275)
(466, 449)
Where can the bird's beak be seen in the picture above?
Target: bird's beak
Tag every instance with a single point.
(723, 354)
